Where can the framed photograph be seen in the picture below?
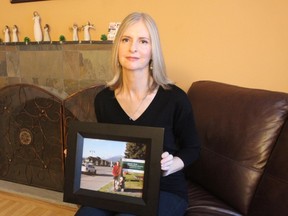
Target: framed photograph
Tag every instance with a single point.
(114, 167)
(112, 30)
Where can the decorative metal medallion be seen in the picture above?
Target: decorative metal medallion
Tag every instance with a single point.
(25, 136)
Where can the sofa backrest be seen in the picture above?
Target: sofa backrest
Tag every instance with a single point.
(238, 128)
(271, 197)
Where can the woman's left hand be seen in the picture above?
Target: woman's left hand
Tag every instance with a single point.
(170, 164)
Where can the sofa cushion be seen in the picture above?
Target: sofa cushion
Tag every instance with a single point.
(203, 203)
(238, 128)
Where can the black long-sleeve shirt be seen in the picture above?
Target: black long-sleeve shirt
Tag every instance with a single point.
(171, 110)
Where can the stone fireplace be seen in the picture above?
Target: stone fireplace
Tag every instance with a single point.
(42, 88)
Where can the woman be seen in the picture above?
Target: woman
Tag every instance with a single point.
(37, 27)
(141, 94)
(86, 29)
(116, 172)
(15, 34)
(75, 32)
(6, 34)
(47, 33)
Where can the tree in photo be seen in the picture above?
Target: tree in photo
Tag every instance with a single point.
(135, 151)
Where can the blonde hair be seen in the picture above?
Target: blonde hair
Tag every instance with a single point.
(157, 61)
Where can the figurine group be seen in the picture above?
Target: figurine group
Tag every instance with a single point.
(38, 31)
(38, 34)
(85, 28)
(7, 34)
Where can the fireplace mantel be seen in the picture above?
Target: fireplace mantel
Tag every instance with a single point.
(62, 69)
(42, 88)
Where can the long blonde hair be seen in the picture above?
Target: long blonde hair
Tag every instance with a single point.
(157, 64)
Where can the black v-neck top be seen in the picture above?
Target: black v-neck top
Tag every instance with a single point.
(169, 109)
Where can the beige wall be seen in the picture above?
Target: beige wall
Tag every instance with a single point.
(242, 42)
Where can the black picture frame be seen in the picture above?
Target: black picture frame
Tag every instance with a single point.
(22, 1)
(79, 136)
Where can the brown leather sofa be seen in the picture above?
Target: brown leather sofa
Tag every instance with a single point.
(243, 165)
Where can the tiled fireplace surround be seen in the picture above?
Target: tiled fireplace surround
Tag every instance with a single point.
(42, 88)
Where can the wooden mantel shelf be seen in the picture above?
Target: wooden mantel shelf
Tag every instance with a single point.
(55, 43)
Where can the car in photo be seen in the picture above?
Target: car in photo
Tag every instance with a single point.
(91, 169)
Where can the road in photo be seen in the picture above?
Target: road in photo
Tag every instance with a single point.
(95, 182)
(103, 181)
(108, 167)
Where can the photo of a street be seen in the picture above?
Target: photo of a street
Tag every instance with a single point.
(117, 174)
(96, 181)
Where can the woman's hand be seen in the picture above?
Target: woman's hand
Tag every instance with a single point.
(65, 152)
(166, 162)
(170, 164)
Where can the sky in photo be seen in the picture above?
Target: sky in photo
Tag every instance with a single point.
(103, 148)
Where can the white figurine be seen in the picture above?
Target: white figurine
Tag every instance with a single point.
(86, 29)
(46, 33)
(6, 34)
(15, 34)
(75, 32)
(37, 27)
